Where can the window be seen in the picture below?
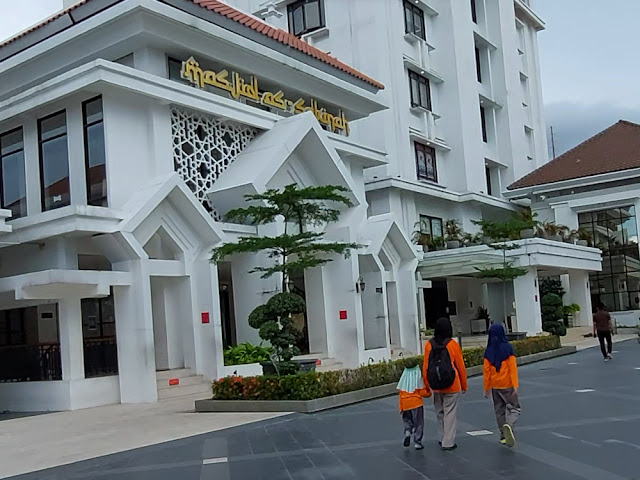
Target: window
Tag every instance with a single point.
(12, 182)
(414, 20)
(305, 16)
(12, 330)
(420, 90)
(94, 152)
(615, 232)
(483, 120)
(431, 226)
(54, 161)
(487, 172)
(426, 162)
(478, 65)
(474, 11)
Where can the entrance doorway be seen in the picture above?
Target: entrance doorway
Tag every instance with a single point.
(297, 286)
(436, 302)
(227, 313)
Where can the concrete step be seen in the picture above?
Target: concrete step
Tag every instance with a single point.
(184, 382)
(330, 367)
(174, 373)
(181, 391)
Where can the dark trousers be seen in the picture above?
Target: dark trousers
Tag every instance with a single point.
(602, 336)
(414, 423)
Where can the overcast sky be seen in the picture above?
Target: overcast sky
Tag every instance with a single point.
(588, 56)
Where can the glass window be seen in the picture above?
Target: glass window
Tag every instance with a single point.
(474, 11)
(305, 16)
(487, 172)
(431, 226)
(614, 231)
(414, 20)
(54, 161)
(420, 90)
(426, 162)
(94, 150)
(14, 196)
(12, 330)
(483, 121)
(478, 66)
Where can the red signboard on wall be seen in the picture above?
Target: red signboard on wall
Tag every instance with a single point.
(205, 317)
(343, 314)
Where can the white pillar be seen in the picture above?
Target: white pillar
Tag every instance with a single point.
(77, 167)
(527, 298)
(580, 294)
(406, 291)
(315, 288)
(134, 330)
(71, 342)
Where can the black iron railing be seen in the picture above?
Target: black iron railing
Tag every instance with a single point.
(30, 363)
(100, 357)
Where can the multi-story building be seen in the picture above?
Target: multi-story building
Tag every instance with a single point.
(128, 128)
(465, 120)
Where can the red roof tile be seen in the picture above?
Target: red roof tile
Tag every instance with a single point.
(615, 149)
(249, 21)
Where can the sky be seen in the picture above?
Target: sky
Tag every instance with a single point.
(588, 57)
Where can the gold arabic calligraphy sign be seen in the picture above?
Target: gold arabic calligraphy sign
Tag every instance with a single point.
(238, 87)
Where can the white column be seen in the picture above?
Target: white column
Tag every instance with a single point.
(315, 288)
(134, 330)
(580, 294)
(564, 215)
(32, 167)
(527, 298)
(71, 342)
(77, 170)
(406, 291)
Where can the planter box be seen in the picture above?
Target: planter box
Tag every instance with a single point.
(335, 401)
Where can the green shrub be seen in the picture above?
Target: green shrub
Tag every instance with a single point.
(245, 353)
(307, 386)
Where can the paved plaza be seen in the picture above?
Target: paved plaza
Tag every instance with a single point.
(581, 421)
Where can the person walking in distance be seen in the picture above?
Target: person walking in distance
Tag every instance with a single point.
(444, 372)
(411, 392)
(602, 329)
(500, 378)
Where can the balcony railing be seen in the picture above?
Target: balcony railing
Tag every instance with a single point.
(30, 363)
(100, 357)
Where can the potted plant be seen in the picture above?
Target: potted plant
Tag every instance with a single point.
(419, 237)
(528, 223)
(436, 243)
(453, 233)
(551, 231)
(584, 236)
(569, 313)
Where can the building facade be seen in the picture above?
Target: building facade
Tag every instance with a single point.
(128, 128)
(595, 188)
(465, 117)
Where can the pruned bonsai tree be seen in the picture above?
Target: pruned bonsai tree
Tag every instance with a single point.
(501, 234)
(305, 208)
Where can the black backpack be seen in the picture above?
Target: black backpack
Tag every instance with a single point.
(440, 372)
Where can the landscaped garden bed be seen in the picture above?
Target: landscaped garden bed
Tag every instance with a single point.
(314, 391)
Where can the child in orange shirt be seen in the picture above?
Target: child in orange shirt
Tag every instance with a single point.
(500, 376)
(412, 391)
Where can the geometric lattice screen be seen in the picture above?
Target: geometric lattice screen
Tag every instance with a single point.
(203, 148)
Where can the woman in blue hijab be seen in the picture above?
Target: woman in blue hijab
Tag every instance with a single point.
(500, 377)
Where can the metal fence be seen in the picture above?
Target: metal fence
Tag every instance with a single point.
(30, 363)
(100, 357)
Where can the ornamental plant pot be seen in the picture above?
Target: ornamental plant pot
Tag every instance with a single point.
(527, 233)
(556, 238)
(268, 368)
(582, 243)
(307, 365)
(425, 248)
(453, 244)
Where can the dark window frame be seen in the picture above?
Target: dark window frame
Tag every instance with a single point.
(609, 275)
(103, 201)
(474, 12)
(425, 149)
(416, 97)
(412, 10)
(487, 172)
(301, 4)
(429, 220)
(478, 65)
(483, 123)
(24, 168)
(41, 142)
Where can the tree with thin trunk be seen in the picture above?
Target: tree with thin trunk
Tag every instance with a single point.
(303, 212)
(501, 236)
